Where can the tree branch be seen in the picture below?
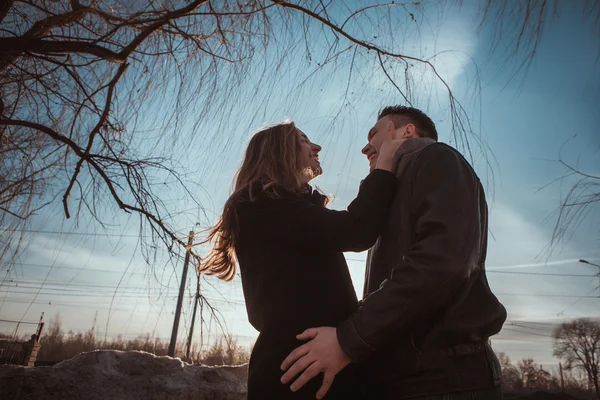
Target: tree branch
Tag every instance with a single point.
(4, 7)
(93, 133)
(146, 32)
(356, 41)
(15, 47)
(81, 153)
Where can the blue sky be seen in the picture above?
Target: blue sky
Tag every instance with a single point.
(526, 121)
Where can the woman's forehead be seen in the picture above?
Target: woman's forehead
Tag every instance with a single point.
(301, 134)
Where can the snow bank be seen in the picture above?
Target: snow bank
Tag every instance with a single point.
(122, 375)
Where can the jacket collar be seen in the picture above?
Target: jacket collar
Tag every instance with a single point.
(407, 152)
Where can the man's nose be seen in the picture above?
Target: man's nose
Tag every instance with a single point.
(366, 149)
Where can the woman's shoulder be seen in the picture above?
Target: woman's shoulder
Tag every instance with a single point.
(252, 197)
(260, 191)
(262, 194)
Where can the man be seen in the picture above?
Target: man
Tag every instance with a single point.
(423, 327)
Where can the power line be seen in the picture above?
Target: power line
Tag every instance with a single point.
(538, 273)
(90, 305)
(145, 289)
(525, 332)
(36, 295)
(102, 295)
(73, 268)
(546, 295)
(545, 329)
(351, 259)
(532, 331)
(526, 350)
(577, 301)
(19, 322)
(510, 272)
(124, 235)
(83, 287)
(523, 339)
(73, 233)
(104, 289)
(76, 305)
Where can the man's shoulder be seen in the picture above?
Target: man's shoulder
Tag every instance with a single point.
(444, 155)
(440, 148)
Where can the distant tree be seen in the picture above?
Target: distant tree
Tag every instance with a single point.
(511, 377)
(577, 343)
(57, 346)
(528, 370)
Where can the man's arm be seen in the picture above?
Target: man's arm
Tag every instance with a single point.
(445, 199)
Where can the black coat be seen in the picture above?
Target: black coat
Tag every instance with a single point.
(294, 274)
(424, 325)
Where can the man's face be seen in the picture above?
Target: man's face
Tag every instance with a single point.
(378, 134)
(309, 154)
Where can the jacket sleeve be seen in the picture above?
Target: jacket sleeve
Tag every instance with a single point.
(444, 202)
(299, 223)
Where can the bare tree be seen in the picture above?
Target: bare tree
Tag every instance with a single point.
(99, 100)
(518, 28)
(511, 377)
(578, 344)
(578, 204)
(94, 94)
(528, 369)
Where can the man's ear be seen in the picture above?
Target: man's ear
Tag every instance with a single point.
(410, 132)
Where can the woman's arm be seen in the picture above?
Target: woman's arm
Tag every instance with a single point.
(299, 223)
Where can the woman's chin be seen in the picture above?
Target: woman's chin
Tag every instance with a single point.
(316, 170)
(311, 173)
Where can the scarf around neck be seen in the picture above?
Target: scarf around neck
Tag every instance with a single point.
(408, 152)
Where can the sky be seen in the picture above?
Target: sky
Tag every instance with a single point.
(529, 120)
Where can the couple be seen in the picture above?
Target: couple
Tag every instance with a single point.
(423, 327)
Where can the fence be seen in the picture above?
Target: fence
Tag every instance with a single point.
(20, 352)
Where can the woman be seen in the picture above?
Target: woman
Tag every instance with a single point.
(289, 248)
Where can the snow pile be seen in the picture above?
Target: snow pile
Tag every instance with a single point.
(122, 375)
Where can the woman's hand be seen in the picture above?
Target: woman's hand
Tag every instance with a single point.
(385, 159)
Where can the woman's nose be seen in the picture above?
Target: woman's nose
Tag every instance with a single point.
(316, 147)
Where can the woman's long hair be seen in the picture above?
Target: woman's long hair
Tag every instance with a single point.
(272, 158)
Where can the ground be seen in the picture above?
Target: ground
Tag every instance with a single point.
(122, 375)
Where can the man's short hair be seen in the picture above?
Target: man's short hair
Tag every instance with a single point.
(402, 115)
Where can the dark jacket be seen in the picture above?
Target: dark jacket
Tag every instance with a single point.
(294, 274)
(424, 325)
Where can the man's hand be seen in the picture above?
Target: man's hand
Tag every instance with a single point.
(322, 354)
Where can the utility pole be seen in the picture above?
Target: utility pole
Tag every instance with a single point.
(189, 342)
(562, 379)
(38, 332)
(173, 341)
(595, 265)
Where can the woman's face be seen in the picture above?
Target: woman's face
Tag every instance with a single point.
(309, 154)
